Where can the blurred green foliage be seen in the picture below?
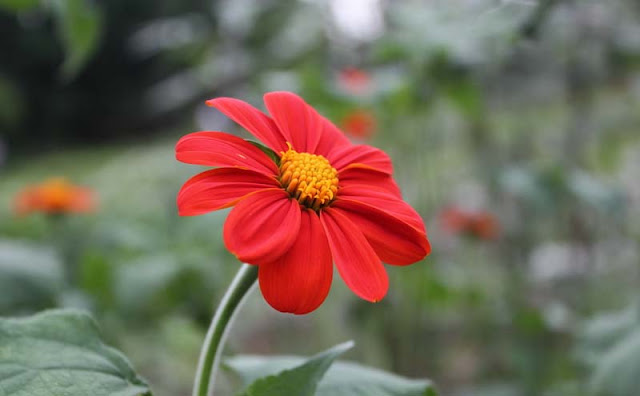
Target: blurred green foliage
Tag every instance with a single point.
(526, 109)
(79, 28)
(72, 72)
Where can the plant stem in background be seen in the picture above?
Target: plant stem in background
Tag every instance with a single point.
(220, 325)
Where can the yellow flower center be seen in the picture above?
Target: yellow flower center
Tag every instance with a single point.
(309, 178)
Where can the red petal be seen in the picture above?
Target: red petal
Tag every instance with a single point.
(262, 228)
(220, 188)
(251, 119)
(368, 177)
(395, 241)
(222, 149)
(383, 200)
(299, 281)
(300, 124)
(332, 138)
(362, 156)
(357, 262)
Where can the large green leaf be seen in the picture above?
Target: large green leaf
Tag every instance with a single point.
(60, 353)
(341, 379)
(79, 27)
(618, 371)
(301, 380)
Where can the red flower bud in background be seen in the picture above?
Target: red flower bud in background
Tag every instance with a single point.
(353, 80)
(360, 124)
(478, 224)
(484, 225)
(54, 196)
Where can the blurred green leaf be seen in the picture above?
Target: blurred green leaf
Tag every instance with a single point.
(342, 379)
(301, 380)
(96, 277)
(470, 33)
(498, 389)
(594, 192)
(602, 332)
(60, 353)
(530, 321)
(466, 95)
(618, 371)
(30, 276)
(79, 27)
(138, 283)
(524, 184)
(12, 104)
(610, 327)
(18, 5)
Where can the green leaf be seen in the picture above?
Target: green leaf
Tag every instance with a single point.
(342, 378)
(598, 194)
(618, 371)
(301, 380)
(141, 283)
(270, 153)
(60, 353)
(18, 5)
(600, 333)
(31, 277)
(96, 275)
(13, 101)
(79, 28)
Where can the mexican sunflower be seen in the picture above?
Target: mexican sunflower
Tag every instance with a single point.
(353, 80)
(478, 224)
(360, 124)
(316, 200)
(54, 196)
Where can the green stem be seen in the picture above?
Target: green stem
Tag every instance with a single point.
(220, 325)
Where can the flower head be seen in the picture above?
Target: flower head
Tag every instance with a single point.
(359, 124)
(322, 201)
(478, 224)
(54, 196)
(353, 80)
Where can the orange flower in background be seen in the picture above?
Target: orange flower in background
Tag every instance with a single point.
(485, 226)
(360, 124)
(480, 224)
(354, 80)
(54, 196)
(323, 201)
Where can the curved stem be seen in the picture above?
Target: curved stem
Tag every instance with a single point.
(219, 328)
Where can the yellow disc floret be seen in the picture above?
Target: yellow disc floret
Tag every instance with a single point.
(309, 178)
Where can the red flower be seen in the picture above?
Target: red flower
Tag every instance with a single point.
(354, 80)
(54, 196)
(359, 124)
(485, 226)
(480, 224)
(326, 200)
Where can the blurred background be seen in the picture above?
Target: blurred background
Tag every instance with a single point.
(514, 130)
